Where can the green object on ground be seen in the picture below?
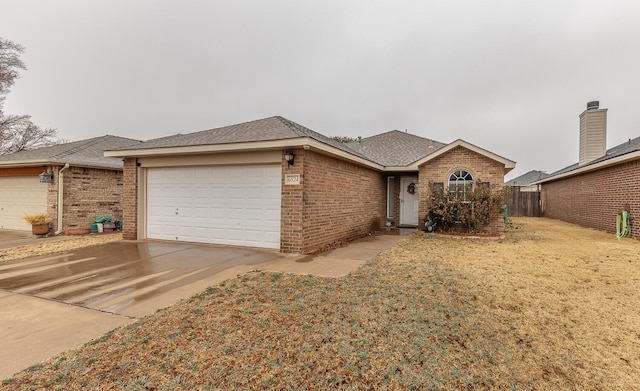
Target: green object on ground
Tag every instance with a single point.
(623, 224)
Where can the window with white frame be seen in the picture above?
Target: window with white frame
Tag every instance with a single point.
(391, 206)
(461, 185)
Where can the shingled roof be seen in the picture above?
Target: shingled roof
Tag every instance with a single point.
(527, 178)
(266, 129)
(395, 148)
(633, 145)
(89, 152)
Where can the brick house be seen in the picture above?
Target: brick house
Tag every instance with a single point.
(593, 191)
(273, 183)
(76, 175)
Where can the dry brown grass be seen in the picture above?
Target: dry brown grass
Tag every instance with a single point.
(45, 247)
(551, 306)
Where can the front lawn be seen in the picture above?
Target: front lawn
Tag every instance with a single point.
(551, 306)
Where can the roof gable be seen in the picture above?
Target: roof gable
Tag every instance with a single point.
(89, 152)
(508, 164)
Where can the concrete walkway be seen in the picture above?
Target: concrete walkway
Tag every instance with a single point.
(338, 262)
(11, 238)
(36, 326)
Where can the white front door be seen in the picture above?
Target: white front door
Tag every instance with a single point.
(409, 201)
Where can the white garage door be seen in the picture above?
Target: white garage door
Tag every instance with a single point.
(20, 195)
(233, 205)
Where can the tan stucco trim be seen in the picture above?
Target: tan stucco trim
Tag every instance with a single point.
(593, 167)
(155, 157)
(327, 149)
(209, 148)
(508, 164)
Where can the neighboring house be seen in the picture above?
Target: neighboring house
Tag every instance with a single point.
(275, 184)
(524, 181)
(593, 191)
(77, 175)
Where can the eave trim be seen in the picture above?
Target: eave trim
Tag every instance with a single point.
(593, 167)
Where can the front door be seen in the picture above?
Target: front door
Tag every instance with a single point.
(409, 201)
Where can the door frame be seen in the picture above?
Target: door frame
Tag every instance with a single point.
(404, 183)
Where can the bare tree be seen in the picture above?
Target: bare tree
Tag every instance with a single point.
(10, 65)
(17, 132)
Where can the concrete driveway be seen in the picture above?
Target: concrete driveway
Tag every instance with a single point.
(53, 303)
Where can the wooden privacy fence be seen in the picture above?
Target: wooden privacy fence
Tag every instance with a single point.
(523, 203)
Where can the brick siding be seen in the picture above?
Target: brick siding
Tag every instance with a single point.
(480, 167)
(336, 201)
(594, 199)
(88, 193)
(130, 200)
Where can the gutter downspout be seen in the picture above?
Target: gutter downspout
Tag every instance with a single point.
(60, 198)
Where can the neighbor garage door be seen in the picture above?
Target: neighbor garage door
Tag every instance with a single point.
(235, 205)
(20, 195)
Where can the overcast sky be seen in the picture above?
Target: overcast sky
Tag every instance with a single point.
(509, 76)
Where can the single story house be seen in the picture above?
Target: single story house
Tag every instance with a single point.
(602, 183)
(524, 181)
(273, 183)
(73, 182)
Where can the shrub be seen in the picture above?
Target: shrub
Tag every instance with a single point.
(35, 218)
(474, 215)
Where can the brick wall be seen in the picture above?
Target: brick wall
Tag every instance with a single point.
(459, 158)
(88, 193)
(291, 231)
(52, 198)
(130, 199)
(335, 201)
(594, 199)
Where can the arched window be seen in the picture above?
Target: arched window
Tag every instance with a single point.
(461, 185)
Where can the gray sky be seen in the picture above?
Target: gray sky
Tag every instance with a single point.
(509, 76)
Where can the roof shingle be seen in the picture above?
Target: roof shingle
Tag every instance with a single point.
(630, 146)
(84, 152)
(527, 178)
(395, 148)
(266, 129)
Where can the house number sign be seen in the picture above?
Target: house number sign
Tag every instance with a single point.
(292, 179)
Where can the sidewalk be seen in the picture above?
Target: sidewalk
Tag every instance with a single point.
(10, 238)
(338, 262)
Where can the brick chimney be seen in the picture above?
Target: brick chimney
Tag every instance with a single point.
(593, 133)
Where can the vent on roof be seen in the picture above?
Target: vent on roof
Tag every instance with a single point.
(593, 105)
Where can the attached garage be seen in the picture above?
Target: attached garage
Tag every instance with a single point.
(229, 204)
(20, 195)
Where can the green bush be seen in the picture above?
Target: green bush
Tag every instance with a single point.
(474, 215)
